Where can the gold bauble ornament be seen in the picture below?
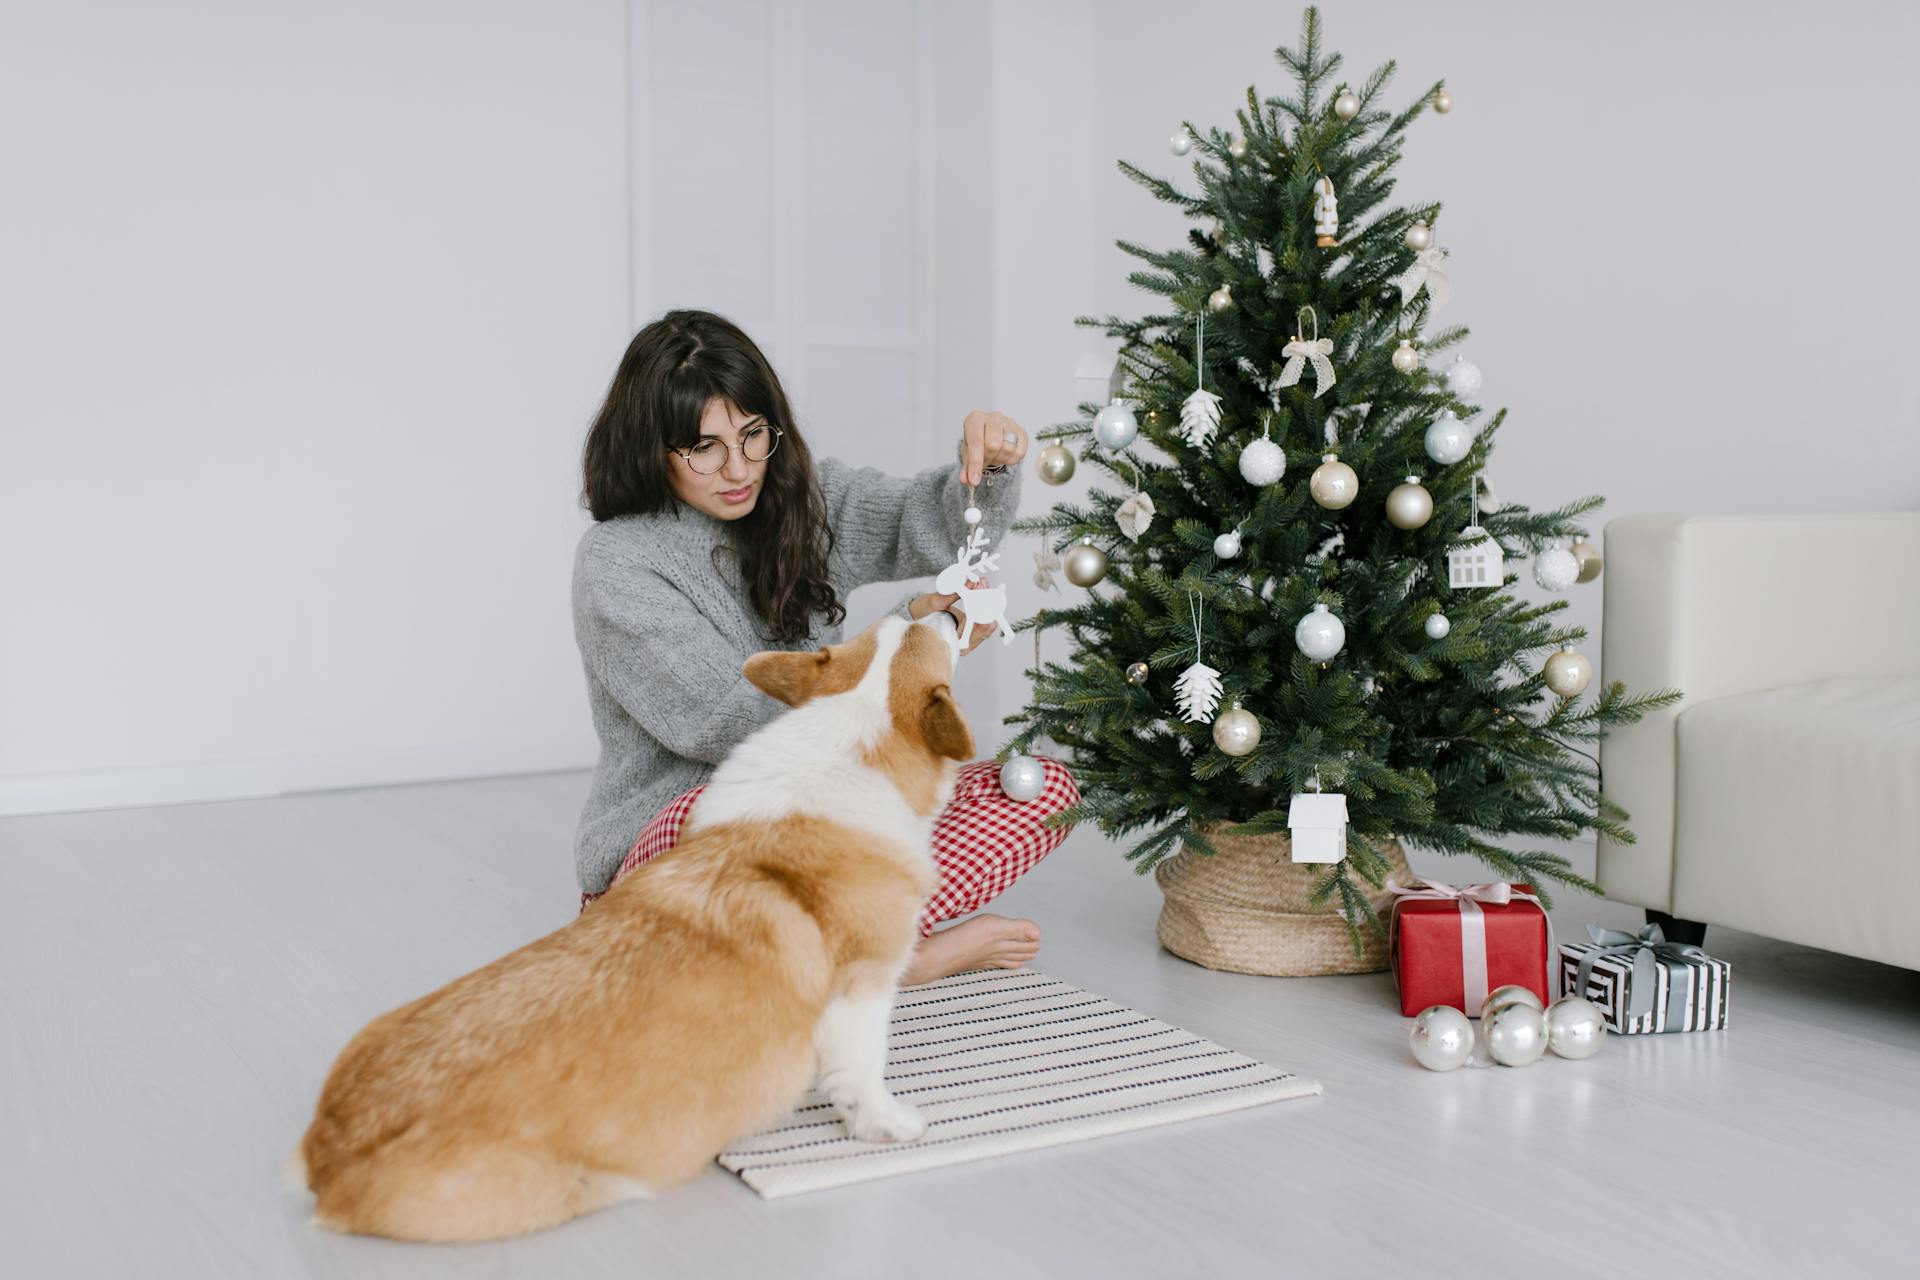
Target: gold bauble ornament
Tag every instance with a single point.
(1085, 564)
(1568, 673)
(1236, 732)
(1137, 673)
(1409, 505)
(1589, 558)
(1442, 101)
(1220, 299)
(1055, 464)
(1347, 105)
(1237, 146)
(1334, 484)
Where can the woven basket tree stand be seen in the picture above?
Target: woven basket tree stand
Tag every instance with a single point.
(1246, 910)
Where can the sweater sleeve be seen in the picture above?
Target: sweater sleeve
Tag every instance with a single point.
(887, 528)
(670, 668)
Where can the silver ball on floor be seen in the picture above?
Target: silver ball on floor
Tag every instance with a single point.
(1512, 993)
(1022, 777)
(1441, 1038)
(1516, 1034)
(1575, 1027)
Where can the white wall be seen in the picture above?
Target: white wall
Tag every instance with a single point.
(305, 310)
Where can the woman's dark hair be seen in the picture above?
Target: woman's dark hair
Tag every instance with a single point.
(672, 369)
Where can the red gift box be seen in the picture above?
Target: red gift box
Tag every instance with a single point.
(1452, 946)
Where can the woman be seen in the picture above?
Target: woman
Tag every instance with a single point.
(715, 537)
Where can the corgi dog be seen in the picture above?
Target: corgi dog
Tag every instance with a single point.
(696, 1002)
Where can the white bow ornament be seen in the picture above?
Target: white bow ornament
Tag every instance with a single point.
(1426, 271)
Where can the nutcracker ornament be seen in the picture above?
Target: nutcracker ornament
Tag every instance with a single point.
(1326, 213)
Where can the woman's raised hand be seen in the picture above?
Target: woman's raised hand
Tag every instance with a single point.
(990, 439)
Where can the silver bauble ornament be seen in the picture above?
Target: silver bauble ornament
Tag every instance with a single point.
(1575, 1027)
(1333, 484)
(1138, 672)
(1442, 101)
(1441, 1038)
(1022, 777)
(1437, 627)
(1055, 464)
(1419, 235)
(1220, 299)
(1448, 439)
(1237, 731)
(1409, 505)
(1589, 559)
(1085, 564)
(1512, 993)
(1237, 146)
(1347, 104)
(1115, 426)
(1262, 462)
(1463, 379)
(1405, 358)
(1568, 673)
(1320, 634)
(1180, 143)
(1516, 1034)
(1556, 568)
(1227, 545)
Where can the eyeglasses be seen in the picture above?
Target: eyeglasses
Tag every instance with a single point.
(711, 454)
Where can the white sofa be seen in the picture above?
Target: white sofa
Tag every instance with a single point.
(1782, 795)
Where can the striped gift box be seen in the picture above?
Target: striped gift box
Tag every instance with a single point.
(1688, 994)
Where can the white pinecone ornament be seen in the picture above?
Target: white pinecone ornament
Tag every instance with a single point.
(1200, 418)
(1196, 693)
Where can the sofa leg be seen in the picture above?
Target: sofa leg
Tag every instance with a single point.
(1691, 932)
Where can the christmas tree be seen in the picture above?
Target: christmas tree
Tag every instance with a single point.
(1231, 558)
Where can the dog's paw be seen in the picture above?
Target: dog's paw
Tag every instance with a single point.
(884, 1119)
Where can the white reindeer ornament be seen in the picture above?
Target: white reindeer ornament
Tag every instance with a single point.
(981, 605)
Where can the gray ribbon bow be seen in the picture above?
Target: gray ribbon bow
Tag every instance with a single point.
(1650, 950)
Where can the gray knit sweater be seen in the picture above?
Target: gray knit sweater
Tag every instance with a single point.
(664, 623)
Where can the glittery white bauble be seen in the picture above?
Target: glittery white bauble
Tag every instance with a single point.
(1022, 777)
(1437, 627)
(1262, 462)
(1516, 1034)
(1180, 143)
(1409, 505)
(1512, 993)
(1405, 358)
(1055, 464)
(1463, 379)
(1419, 235)
(1448, 439)
(1442, 101)
(1441, 1038)
(1085, 564)
(1115, 426)
(1227, 545)
(1575, 1027)
(1347, 105)
(1320, 634)
(1568, 673)
(1556, 568)
(1237, 146)
(1334, 484)
(1589, 559)
(1220, 299)
(1237, 731)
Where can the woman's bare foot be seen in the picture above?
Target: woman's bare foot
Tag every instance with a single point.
(979, 942)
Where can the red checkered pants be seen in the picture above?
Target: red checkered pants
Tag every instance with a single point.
(982, 841)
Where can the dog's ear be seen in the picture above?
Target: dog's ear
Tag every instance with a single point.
(944, 728)
(789, 677)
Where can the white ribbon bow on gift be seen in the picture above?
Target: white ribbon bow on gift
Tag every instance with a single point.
(1301, 350)
(1473, 930)
(1426, 270)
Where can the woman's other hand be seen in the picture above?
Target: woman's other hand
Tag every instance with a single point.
(990, 439)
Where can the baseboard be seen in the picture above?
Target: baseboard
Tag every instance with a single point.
(278, 776)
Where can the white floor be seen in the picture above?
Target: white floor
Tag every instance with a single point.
(175, 982)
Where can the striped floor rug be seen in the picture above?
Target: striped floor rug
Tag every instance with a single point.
(1008, 1061)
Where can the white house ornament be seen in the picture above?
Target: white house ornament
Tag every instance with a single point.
(1320, 635)
(1326, 213)
(1475, 561)
(1449, 439)
(1086, 563)
(1134, 515)
(1405, 358)
(1441, 1038)
(1589, 558)
(1227, 545)
(1237, 731)
(1568, 673)
(1199, 418)
(1556, 568)
(1463, 379)
(1419, 235)
(1409, 506)
(1055, 464)
(1022, 777)
(1347, 104)
(1317, 826)
(1301, 350)
(1333, 484)
(1262, 462)
(1437, 626)
(1115, 426)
